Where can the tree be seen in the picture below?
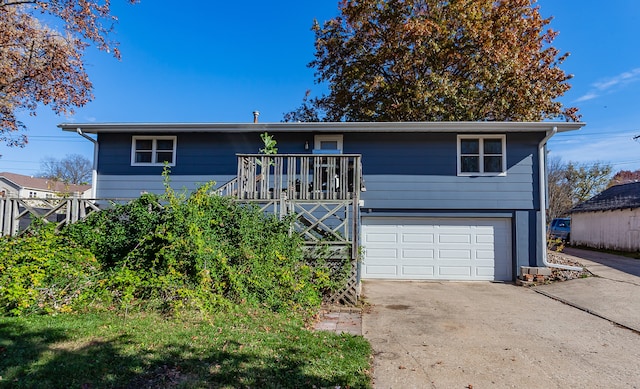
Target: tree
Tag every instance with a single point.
(432, 60)
(558, 189)
(624, 177)
(572, 183)
(41, 65)
(72, 169)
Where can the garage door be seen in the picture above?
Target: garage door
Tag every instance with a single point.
(444, 249)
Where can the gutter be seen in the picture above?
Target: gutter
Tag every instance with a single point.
(94, 169)
(543, 204)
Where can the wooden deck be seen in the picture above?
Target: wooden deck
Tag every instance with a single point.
(321, 190)
(296, 177)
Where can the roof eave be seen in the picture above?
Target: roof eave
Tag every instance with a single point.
(457, 127)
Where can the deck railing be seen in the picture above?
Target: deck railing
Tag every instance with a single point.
(298, 176)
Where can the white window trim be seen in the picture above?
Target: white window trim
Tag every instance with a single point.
(153, 150)
(327, 138)
(481, 138)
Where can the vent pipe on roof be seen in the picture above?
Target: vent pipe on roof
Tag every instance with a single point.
(255, 116)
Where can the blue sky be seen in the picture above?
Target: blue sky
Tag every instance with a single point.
(220, 61)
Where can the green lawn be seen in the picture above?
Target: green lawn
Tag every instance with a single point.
(254, 349)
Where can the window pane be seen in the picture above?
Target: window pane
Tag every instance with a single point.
(470, 146)
(144, 144)
(329, 145)
(493, 164)
(493, 146)
(143, 157)
(165, 144)
(470, 164)
(164, 157)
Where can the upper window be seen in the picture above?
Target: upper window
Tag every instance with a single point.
(153, 150)
(482, 155)
(328, 143)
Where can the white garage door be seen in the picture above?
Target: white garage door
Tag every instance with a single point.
(444, 249)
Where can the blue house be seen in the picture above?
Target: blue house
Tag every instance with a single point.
(426, 200)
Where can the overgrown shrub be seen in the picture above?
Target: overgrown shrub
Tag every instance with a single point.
(200, 250)
(165, 252)
(40, 272)
(112, 233)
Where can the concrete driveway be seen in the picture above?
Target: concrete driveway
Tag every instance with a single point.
(492, 335)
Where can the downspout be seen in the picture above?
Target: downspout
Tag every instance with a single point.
(543, 204)
(94, 170)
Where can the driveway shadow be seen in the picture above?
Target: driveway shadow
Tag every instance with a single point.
(618, 262)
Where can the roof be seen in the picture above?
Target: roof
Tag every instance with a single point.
(366, 127)
(617, 197)
(29, 182)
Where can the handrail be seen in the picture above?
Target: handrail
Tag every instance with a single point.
(298, 176)
(16, 213)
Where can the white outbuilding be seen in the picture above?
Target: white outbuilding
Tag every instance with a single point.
(610, 220)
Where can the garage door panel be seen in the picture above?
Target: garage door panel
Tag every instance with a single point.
(485, 254)
(415, 237)
(454, 238)
(382, 238)
(382, 253)
(485, 272)
(485, 238)
(454, 254)
(417, 271)
(385, 271)
(429, 248)
(417, 254)
(455, 271)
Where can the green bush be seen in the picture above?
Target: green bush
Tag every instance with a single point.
(112, 233)
(165, 252)
(201, 250)
(41, 272)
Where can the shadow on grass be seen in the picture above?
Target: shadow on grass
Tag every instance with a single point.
(49, 359)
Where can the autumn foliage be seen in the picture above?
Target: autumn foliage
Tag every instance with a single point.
(40, 65)
(432, 60)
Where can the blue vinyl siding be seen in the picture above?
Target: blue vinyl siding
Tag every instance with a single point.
(196, 153)
(401, 170)
(418, 171)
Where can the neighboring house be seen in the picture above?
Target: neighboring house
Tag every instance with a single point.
(443, 200)
(609, 220)
(18, 185)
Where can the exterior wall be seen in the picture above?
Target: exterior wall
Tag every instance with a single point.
(404, 173)
(418, 171)
(197, 154)
(401, 170)
(616, 230)
(9, 190)
(128, 187)
(200, 158)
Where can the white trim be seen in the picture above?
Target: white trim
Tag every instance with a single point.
(327, 127)
(153, 150)
(318, 139)
(481, 138)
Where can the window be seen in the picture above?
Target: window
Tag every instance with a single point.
(482, 155)
(327, 144)
(153, 150)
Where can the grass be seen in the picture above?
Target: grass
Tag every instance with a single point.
(240, 349)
